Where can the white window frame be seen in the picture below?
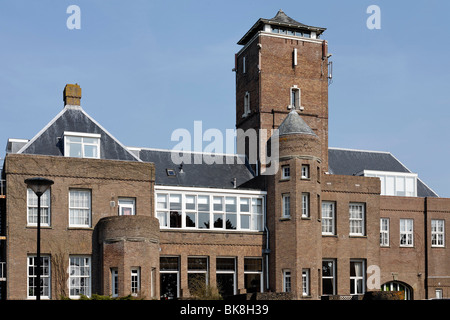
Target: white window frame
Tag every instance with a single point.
(114, 282)
(124, 204)
(384, 232)
(358, 278)
(285, 172)
(287, 280)
(227, 271)
(305, 282)
(332, 277)
(406, 232)
(438, 293)
(77, 273)
(135, 281)
(295, 98)
(286, 205)
(437, 232)
(305, 205)
(260, 273)
(394, 183)
(246, 104)
(32, 207)
(83, 137)
(305, 171)
(74, 209)
(204, 272)
(45, 277)
(172, 271)
(219, 207)
(328, 218)
(357, 219)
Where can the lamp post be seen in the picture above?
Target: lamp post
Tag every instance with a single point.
(39, 186)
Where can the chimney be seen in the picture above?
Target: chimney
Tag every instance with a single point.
(72, 95)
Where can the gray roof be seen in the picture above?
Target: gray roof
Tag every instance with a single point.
(294, 124)
(353, 162)
(197, 171)
(282, 20)
(73, 118)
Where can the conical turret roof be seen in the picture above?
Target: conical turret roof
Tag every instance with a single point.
(294, 124)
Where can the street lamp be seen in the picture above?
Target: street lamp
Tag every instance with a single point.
(39, 186)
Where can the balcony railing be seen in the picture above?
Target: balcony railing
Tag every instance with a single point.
(2, 271)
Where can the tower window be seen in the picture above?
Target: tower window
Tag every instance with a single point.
(246, 104)
(295, 98)
(305, 171)
(244, 67)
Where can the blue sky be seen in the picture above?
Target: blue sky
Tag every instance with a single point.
(147, 68)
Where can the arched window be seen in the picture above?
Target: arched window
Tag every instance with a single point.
(398, 286)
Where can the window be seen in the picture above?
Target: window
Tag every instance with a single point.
(114, 282)
(253, 275)
(81, 145)
(203, 211)
(357, 277)
(246, 104)
(305, 282)
(79, 276)
(127, 207)
(328, 218)
(295, 98)
(286, 280)
(328, 277)
(294, 57)
(305, 205)
(226, 276)
(357, 217)
(438, 293)
(384, 232)
(305, 171)
(286, 203)
(135, 281)
(437, 233)
(406, 232)
(169, 277)
(244, 65)
(285, 172)
(80, 208)
(32, 205)
(45, 277)
(398, 286)
(197, 273)
(395, 183)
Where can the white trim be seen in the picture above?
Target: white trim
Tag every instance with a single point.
(209, 190)
(17, 140)
(82, 134)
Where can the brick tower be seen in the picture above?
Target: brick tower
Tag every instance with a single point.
(283, 64)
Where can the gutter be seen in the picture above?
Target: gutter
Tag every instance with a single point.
(425, 211)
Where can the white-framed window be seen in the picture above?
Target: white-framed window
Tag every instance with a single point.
(32, 208)
(200, 210)
(81, 145)
(286, 280)
(328, 277)
(357, 277)
(127, 206)
(395, 183)
(285, 172)
(384, 232)
(305, 171)
(328, 218)
(246, 104)
(357, 219)
(305, 282)
(169, 267)
(79, 276)
(45, 277)
(253, 275)
(135, 281)
(286, 205)
(406, 232)
(114, 282)
(197, 272)
(295, 98)
(438, 293)
(437, 233)
(305, 204)
(80, 208)
(226, 275)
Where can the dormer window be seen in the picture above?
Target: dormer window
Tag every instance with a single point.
(82, 145)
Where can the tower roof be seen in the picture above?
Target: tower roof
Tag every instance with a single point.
(294, 124)
(280, 20)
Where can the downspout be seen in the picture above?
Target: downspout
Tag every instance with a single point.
(425, 211)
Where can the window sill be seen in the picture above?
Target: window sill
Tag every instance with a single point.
(285, 218)
(356, 236)
(284, 179)
(81, 228)
(31, 226)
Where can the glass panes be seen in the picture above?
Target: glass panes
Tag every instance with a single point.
(80, 208)
(33, 210)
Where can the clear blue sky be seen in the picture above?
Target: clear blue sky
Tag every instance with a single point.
(147, 68)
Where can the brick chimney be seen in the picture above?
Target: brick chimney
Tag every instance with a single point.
(72, 95)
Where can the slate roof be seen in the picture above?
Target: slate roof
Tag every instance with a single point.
(352, 162)
(73, 118)
(294, 124)
(280, 19)
(197, 173)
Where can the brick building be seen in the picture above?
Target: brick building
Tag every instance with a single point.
(123, 220)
